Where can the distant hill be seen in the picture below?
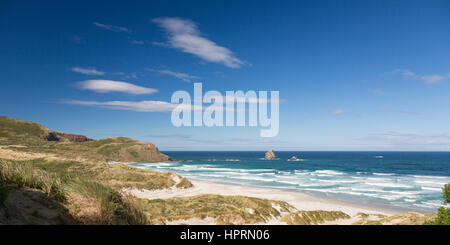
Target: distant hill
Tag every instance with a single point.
(32, 137)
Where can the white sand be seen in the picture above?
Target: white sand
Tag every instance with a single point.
(299, 200)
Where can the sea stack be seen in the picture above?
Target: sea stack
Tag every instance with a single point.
(293, 158)
(270, 155)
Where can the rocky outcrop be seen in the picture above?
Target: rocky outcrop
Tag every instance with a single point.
(270, 155)
(293, 158)
(59, 136)
(145, 152)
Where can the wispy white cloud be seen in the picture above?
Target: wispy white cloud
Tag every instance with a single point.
(338, 111)
(430, 79)
(400, 111)
(145, 105)
(416, 140)
(88, 71)
(140, 106)
(243, 99)
(184, 35)
(111, 27)
(105, 86)
(183, 76)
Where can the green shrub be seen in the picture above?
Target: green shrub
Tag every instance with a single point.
(446, 193)
(443, 216)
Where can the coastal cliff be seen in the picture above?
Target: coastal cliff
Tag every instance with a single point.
(33, 138)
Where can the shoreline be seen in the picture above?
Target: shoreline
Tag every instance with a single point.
(300, 200)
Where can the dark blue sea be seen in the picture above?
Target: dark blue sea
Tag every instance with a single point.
(402, 179)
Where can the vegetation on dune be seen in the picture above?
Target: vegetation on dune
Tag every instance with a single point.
(446, 193)
(313, 217)
(117, 176)
(443, 215)
(107, 205)
(184, 183)
(408, 218)
(224, 209)
(22, 174)
(114, 207)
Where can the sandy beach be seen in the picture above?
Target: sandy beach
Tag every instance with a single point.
(299, 200)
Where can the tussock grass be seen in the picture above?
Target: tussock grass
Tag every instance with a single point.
(25, 175)
(407, 218)
(114, 207)
(313, 217)
(224, 209)
(116, 176)
(184, 183)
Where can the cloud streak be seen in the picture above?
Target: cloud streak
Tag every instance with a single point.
(88, 71)
(400, 111)
(111, 27)
(143, 106)
(429, 79)
(184, 35)
(140, 106)
(182, 76)
(106, 86)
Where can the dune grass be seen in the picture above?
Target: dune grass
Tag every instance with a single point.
(313, 217)
(114, 208)
(224, 209)
(117, 176)
(25, 175)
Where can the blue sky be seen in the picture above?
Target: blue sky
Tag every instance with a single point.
(352, 75)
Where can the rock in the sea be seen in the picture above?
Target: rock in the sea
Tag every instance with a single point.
(293, 158)
(270, 155)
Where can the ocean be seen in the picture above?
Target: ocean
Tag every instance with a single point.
(411, 180)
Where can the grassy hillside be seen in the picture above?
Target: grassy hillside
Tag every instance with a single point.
(31, 137)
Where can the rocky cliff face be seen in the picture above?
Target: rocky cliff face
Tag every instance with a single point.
(270, 155)
(59, 136)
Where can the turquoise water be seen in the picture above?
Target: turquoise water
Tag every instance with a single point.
(403, 179)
